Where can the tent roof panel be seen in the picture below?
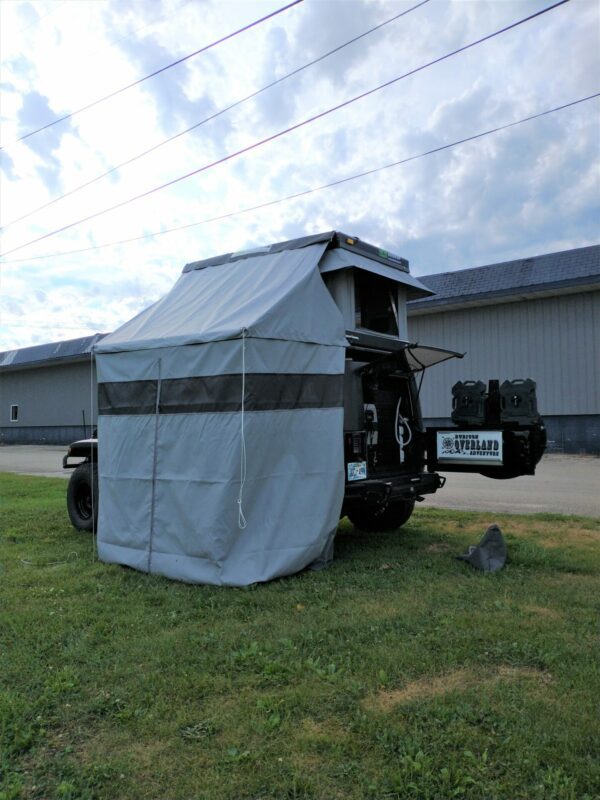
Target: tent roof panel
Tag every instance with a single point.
(274, 296)
(278, 247)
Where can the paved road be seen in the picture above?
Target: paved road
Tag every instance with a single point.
(563, 484)
(29, 459)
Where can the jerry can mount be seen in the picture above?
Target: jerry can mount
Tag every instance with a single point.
(497, 433)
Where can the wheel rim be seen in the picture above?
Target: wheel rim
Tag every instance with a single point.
(83, 502)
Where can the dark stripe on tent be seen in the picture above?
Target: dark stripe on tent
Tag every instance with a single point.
(128, 397)
(263, 392)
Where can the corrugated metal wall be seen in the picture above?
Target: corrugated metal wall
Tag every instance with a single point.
(554, 340)
(51, 396)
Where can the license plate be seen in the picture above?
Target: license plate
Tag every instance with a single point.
(469, 447)
(357, 470)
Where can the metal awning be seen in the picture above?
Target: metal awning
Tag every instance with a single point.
(421, 356)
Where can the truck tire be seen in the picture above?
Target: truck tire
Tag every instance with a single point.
(394, 516)
(82, 497)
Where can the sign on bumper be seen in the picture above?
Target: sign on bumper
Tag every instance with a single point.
(469, 447)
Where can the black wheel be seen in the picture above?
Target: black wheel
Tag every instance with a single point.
(394, 516)
(82, 497)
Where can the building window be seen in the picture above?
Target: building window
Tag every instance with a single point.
(375, 303)
(14, 413)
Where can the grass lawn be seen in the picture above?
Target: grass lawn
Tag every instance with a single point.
(400, 672)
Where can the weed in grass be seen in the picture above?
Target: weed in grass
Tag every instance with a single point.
(197, 730)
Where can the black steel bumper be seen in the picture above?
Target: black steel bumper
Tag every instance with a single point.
(381, 491)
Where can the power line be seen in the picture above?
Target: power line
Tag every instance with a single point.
(296, 195)
(214, 116)
(277, 135)
(159, 71)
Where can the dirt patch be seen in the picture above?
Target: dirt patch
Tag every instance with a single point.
(516, 673)
(459, 679)
(543, 611)
(144, 753)
(423, 688)
(315, 729)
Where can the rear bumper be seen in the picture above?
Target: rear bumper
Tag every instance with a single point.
(377, 492)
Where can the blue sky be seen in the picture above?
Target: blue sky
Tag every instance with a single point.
(530, 190)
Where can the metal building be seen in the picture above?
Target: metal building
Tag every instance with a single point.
(531, 318)
(47, 392)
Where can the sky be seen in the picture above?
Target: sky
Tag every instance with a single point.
(532, 189)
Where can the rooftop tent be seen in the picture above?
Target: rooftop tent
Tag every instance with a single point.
(221, 422)
(339, 259)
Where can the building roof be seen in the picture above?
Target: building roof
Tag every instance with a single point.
(39, 354)
(545, 275)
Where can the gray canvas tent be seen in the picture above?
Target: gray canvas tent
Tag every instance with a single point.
(220, 422)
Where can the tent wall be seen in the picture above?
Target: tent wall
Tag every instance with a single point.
(170, 482)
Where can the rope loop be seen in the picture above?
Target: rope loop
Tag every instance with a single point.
(242, 522)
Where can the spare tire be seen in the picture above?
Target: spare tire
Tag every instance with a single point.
(393, 516)
(82, 497)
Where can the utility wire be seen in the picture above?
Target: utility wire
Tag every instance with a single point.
(296, 195)
(159, 71)
(214, 116)
(277, 135)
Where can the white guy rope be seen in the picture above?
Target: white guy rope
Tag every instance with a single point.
(241, 518)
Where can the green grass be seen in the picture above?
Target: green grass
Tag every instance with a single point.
(400, 672)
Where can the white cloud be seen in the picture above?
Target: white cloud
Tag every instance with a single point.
(529, 190)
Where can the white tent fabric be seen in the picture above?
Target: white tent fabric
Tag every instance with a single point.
(219, 406)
